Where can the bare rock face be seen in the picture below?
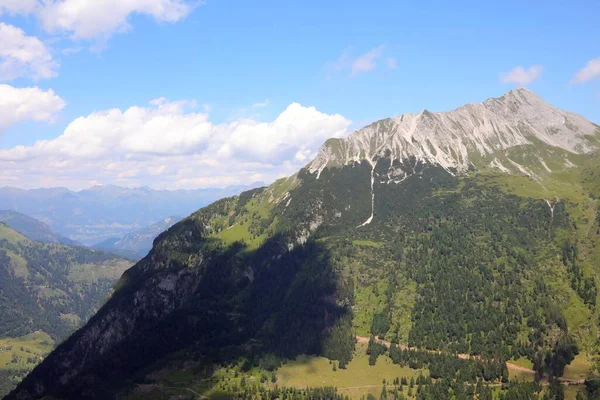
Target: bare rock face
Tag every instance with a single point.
(457, 139)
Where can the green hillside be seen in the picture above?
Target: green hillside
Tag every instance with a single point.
(18, 356)
(46, 292)
(500, 267)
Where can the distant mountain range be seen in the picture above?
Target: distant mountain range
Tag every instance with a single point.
(137, 244)
(93, 215)
(33, 228)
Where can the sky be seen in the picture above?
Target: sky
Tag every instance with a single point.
(189, 93)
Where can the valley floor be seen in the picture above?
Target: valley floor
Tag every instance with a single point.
(358, 380)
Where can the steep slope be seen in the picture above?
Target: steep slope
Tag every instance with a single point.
(372, 237)
(137, 244)
(47, 289)
(33, 228)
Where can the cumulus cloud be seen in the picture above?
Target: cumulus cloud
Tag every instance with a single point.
(17, 6)
(23, 56)
(90, 19)
(523, 76)
(27, 104)
(95, 19)
(589, 72)
(171, 145)
(366, 62)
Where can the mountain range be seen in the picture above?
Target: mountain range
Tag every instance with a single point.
(92, 215)
(472, 136)
(457, 245)
(137, 244)
(32, 228)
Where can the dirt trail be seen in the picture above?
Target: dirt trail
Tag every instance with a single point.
(509, 365)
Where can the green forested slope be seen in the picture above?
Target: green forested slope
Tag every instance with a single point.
(49, 290)
(492, 265)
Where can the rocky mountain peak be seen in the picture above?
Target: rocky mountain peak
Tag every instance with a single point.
(455, 139)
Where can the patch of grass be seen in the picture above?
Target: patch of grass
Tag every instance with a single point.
(251, 223)
(519, 376)
(237, 232)
(355, 380)
(18, 356)
(93, 272)
(578, 319)
(19, 265)
(579, 367)
(571, 392)
(11, 235)
(189, 383)
(368, 300)
(522, 362)
(278, 190)
(71, 319)
(35, 345)
(368, 243)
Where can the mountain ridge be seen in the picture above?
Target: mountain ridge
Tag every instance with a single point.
(450, 138)
(137, 244)
(34, 229)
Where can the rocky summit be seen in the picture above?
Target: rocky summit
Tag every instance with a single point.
(468, 137)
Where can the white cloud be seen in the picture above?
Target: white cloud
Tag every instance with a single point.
(96, 19)
(341, 63)
(27, 104)
(297, 128)
(92, 19)
(523, 76)
(23, 56)
(17, 6)
(171, 145)
(589, 72)
(71, 50)
(366, 62)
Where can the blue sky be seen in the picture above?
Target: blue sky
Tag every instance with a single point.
(236, 61)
